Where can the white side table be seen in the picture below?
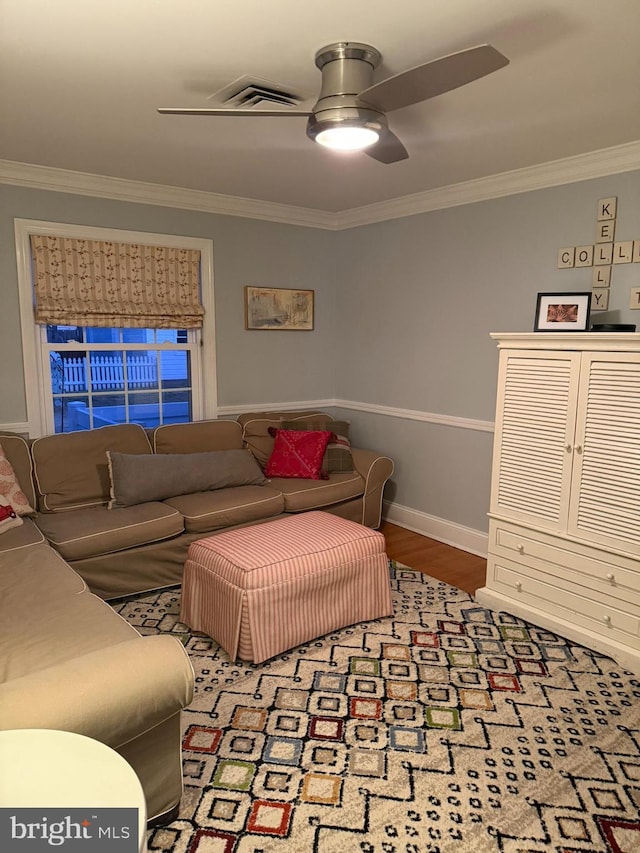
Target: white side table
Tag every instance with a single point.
(45, 768)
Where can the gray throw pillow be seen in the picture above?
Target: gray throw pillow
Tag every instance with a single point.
(139, 478)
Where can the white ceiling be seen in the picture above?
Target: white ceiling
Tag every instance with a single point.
(80, 82)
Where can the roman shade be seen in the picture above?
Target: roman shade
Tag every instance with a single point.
(100, 283)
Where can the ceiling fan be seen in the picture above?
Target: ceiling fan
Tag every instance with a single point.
(350, 113)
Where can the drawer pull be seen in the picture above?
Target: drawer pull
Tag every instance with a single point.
(611, 577)
(606, 620)
(520, 548)
(519, 586)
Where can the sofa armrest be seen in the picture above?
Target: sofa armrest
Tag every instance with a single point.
(376, 470)
(113, 694)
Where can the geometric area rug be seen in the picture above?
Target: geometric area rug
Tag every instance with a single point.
(446, 727)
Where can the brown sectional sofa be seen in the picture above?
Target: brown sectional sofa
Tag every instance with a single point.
(68, 660)
(142, 547)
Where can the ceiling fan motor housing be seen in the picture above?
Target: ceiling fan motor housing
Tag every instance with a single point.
(347, 69)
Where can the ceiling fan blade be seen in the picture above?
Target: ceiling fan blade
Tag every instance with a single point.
(433, 78)
(230, 112)
(388, 149)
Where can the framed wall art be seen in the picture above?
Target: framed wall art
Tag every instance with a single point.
(562, 312)
(278, 308)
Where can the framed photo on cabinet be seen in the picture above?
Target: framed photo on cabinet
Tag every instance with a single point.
(278, 308)
(562, 312)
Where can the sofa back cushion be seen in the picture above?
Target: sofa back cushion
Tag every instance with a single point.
(15, 449)
(255, 429)
(71, 469)
(197, 437)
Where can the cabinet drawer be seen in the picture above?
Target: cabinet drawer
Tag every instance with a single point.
(604, 616)
(609, 574)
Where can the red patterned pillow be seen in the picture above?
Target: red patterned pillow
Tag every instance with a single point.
(8, 517)
(298, 453)
(10, 487)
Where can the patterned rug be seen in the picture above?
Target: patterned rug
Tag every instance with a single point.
(448, 727)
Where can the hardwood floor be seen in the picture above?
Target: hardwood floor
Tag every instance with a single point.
(456, 567)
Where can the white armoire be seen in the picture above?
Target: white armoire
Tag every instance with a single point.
(564, 520)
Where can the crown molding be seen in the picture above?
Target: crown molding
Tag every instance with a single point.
(582, 167)
(120, 189)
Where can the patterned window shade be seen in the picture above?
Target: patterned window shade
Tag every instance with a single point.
(96, 283)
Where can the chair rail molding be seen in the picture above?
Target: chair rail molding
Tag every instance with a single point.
(416, 415)
(22, 428)
(231, 411)
(358, 406)
(286, 406)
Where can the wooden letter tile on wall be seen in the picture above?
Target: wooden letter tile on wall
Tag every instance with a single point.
(584, 256)
(601, 277)
(599, 299)
(566, 257)
(605, 231)
(607, 208)
(603, 254)
(623, 252)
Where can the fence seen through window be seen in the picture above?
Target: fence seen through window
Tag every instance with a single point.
(101, 376)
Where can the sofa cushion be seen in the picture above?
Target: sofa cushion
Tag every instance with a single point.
(94, 531)
(206, 511)
(40, 573)
(10, 487)
(338, 458)
(255, 429)
(197, 437)
(298, 454)
(73, 626)
(71, 468)
(24, 536)
(136, 479)
(303, 495)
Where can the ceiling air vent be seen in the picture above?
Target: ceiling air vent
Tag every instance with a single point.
(253, 92)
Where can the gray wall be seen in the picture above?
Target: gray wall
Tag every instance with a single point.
(403, 314)
(253, 366)
(418, 299)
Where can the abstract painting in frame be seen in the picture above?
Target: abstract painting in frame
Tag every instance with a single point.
(562, 312)
(278, 308)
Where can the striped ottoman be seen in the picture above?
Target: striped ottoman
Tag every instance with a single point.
(263, 589)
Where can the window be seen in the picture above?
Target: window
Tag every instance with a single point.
(95, 376)
(103, 376)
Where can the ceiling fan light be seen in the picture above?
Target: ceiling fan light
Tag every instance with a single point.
(347, 138)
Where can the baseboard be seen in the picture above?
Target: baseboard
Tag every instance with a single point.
(457, 535)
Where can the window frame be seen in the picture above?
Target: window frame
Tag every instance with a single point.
(128, 394)
(39, 402)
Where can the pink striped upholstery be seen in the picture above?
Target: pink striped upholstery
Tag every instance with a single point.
(263, 589)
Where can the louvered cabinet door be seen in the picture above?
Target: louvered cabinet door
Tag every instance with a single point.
(605, 505)
(534, 438)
